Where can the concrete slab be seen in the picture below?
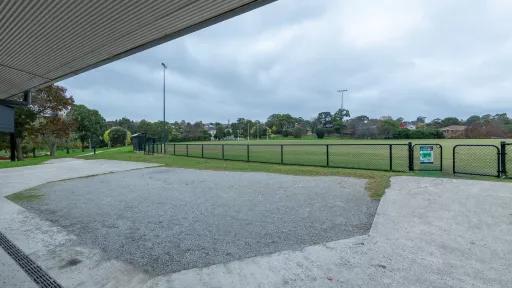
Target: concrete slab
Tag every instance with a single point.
(427, 232)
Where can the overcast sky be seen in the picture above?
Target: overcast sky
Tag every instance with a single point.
(397, 58)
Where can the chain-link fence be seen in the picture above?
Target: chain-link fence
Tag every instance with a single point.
(483, 160)
(507, 159)
(385, 157)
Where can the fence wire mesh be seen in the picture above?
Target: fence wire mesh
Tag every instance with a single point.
(236, 152)
(481, 160)
(386, 157)
(304, 154)
(265, 153)
(372, 157)
(508, 160)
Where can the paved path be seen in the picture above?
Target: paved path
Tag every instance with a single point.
(428, 232)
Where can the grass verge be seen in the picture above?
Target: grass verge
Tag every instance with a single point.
(30, 195)
(376, 185)
(29, 161)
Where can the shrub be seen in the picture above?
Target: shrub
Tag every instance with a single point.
(298, 132)
(320, 133)
(118, 136)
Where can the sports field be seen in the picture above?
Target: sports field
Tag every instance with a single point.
(359, 154)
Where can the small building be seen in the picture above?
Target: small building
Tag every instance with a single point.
(454, 131)
(408, 125)
(139, 141)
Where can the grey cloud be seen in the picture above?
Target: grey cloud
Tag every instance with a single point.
(398, 58)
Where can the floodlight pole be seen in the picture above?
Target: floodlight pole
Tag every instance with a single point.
(342, 91)
(164, 139)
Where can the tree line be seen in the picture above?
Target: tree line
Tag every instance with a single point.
(55, 120)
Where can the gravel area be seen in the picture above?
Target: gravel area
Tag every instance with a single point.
(164, 220)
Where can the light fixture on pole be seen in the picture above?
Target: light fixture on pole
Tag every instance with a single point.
(342, 91)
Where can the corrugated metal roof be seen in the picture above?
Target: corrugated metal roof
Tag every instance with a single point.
(44, 41)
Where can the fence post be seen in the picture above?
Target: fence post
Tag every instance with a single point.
(327, 152)
(411, 156)
(390, 157)
(174, 149)
(202, 150)
(248, 153)
(503, 146)
(186, 148)
(222, 151)
(282, 158)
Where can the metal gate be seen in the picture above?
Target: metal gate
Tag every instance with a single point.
(422, 163)
(506, 159)
(481, 160)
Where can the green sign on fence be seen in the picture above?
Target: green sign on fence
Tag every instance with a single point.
(426, 154)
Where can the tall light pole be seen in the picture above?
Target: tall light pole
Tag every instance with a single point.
(342, 91)
(164, 138)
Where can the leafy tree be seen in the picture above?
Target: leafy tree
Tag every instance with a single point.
(473, 119)
(448, 121)
(89, 123)
(299, 132)
(280, 122)
(51, 104)
(118, 136)
(320, 133)
(324, 120)
(387, 128)
(220, 131)
(258, 130)
(127, 124)
(338, 120)
(436, 123)
(24, 120)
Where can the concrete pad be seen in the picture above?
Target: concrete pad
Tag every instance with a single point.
(427, 232)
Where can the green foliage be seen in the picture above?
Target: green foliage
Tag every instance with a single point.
(118, 136)
(281, 122)
(89, 123)
(320, 133)
(220, 131)
(425, 133)
(448, 121)
(299, 132)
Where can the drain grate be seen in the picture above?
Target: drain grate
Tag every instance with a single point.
(34, 271)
